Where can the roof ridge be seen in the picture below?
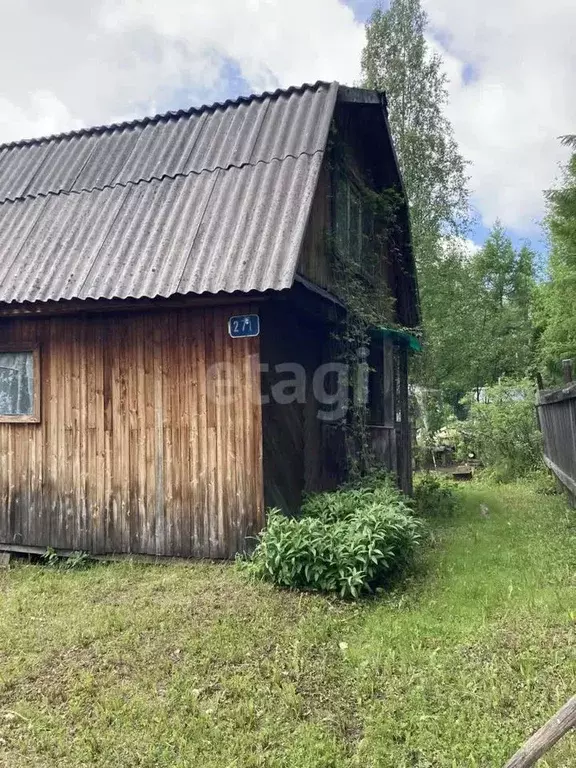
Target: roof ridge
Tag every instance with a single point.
(163, 177)
(170, 115)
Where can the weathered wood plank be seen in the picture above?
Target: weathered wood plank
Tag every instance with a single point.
(132, 454)
(545, 738)
(204, 471)
(564, 478)
(547, 396)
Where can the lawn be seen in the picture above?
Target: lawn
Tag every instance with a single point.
(134, 665)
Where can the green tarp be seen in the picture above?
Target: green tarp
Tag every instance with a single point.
(402, 338)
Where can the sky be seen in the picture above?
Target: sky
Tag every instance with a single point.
(511, 65)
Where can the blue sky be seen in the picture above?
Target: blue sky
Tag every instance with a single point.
(510, 67)
(363, 8)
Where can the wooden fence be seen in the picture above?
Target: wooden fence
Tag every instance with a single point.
(557, 417)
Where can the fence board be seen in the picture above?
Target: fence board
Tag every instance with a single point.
(557, 418)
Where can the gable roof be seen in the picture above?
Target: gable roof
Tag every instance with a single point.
(203, 200)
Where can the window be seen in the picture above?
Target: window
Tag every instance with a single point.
(354, 221)
(19, 383)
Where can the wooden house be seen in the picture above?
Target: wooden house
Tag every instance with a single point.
(156, 277)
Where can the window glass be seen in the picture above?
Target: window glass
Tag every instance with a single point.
(16, 383)
(354, 226)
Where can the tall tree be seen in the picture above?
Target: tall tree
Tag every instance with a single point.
(480, 324)
(454, 302)
(397, 60)
(556, 298)
(504, 339)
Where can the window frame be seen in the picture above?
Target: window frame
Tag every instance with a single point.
(344, 180)
(27, 418)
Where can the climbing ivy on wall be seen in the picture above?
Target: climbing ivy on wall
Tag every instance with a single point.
(363, 239)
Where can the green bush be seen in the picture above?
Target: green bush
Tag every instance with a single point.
(347, 541)
(333, 506)
(434, 496)
(504, 432)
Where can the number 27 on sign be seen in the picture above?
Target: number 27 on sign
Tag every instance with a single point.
(241, 326)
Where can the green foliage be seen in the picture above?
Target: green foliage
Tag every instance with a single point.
(397, 60)
(336, 506)
(353, 336)
(503, 430)
(364, 236)
(365, 231)
(345, 542)
(503, 344)
(168, 666)
(569, 140)
(431, 413)
(127, 664)
(75, 561)
(555, 298)
(480, 323)
(434, 496)
(375, 479)
(476, 308)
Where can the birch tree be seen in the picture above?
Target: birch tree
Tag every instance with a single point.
(398, 60)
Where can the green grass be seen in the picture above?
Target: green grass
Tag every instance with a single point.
(131, 665)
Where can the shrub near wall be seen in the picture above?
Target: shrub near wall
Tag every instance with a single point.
(346, 541)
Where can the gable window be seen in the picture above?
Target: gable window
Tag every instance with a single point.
(19, 383)
(354, 222)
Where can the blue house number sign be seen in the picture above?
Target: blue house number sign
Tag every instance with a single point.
(241, 326)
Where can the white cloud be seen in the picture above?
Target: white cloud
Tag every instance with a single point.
(273, 41)
(464, 247)
(508, 117)
(68, 63)
(115, 58)
(41, 113)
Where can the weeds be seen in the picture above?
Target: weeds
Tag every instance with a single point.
(349, 556)
(74, 561)
(435, 496)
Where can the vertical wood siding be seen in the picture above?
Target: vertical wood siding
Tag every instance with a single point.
(557, 418)
(314, 261)
(302, 453)
(143, 447)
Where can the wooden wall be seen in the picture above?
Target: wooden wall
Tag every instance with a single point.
(314, 262)
(390, 433)
(139, 448)
(302, 453)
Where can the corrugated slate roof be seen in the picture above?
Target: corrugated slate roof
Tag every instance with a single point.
(210, 199)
